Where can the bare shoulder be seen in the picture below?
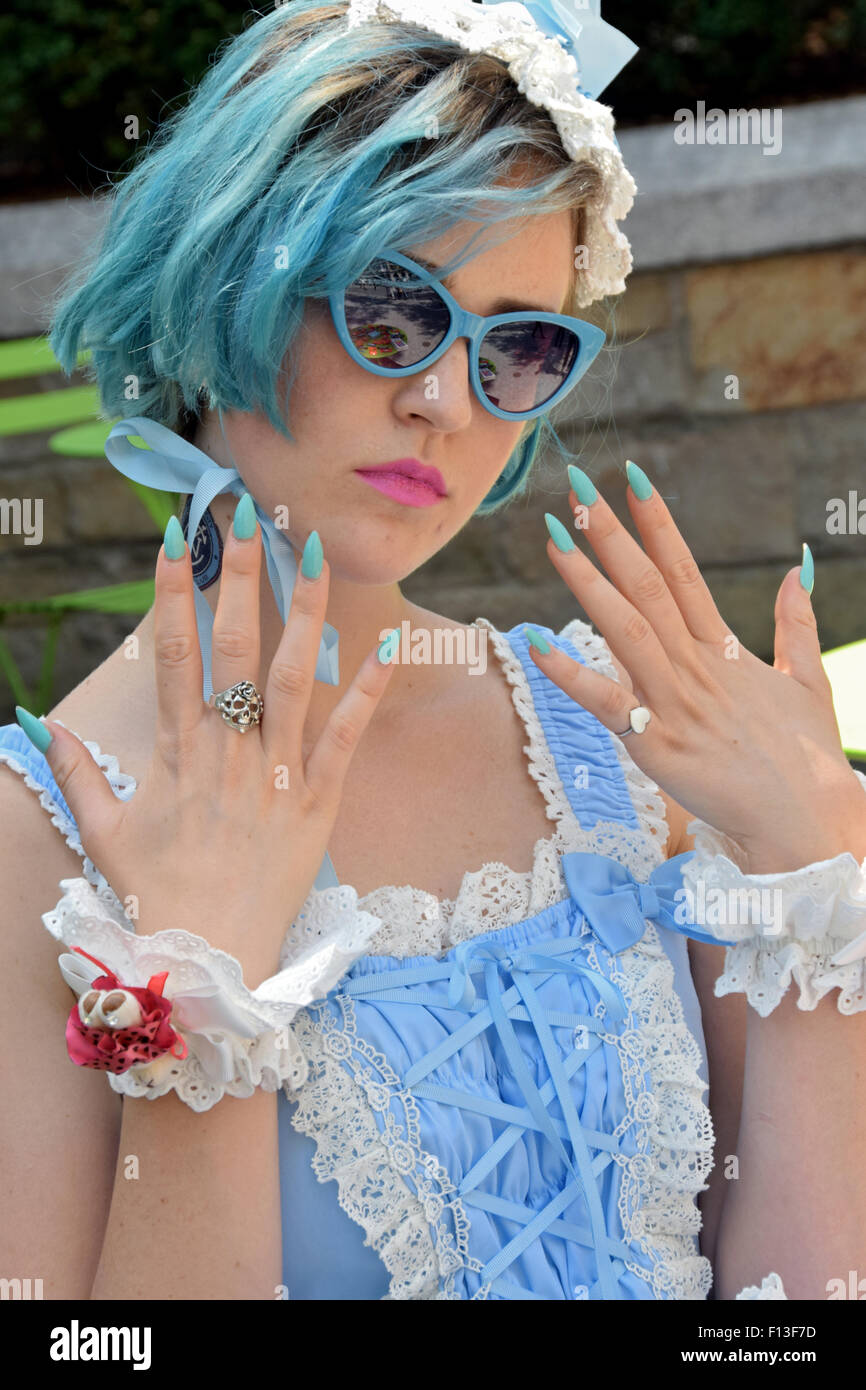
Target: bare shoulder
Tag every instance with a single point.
(115, 706)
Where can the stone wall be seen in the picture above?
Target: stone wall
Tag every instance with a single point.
(735, 376)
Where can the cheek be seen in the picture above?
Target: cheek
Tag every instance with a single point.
(327, 383)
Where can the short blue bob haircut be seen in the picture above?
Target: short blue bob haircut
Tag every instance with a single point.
(304, 150)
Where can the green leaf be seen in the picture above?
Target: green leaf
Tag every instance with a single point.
(137, 596)
(23, 357)
(45, 409)
(49, 657)
(10, 670)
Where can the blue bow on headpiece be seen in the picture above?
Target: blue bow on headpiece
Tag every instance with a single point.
(599, 50)
(171, 464)
(615, 905)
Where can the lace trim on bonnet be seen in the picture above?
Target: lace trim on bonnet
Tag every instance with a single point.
(547, 75)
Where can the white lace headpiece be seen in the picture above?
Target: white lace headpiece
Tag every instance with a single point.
(561, 55)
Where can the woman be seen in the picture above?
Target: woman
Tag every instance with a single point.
(495, 1065)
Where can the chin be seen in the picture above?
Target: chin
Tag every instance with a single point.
(378, 552)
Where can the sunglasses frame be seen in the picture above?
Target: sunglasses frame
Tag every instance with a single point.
(475, 327)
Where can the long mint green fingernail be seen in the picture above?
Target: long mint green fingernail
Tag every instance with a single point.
(807, 570)
(558, 534)
(388, 648)
(35, 730)
(173, 541)
(639, 482)
(244, 524)
(583, 485)
(536, 640)
(311, 560)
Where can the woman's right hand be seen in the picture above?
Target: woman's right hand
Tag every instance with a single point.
(225, 833)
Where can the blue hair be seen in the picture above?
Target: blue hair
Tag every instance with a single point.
(305, 148)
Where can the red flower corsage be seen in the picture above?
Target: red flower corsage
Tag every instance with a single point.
(114, 1027)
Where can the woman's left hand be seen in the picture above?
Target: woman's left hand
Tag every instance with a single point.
(753, 750)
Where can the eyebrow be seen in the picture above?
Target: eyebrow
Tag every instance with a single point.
(500, 306)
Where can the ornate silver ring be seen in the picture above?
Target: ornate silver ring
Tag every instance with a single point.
(241, 705)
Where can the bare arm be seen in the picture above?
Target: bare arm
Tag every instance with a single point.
(201, 1216)
(783, 1095)
(724, 1025)
(799, 1206)
(106, 1198)
(61, 1123)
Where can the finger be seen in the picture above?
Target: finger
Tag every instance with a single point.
(797, 648)
(630, 636)
(610, 702)
(662, 579)
(176, 649)
(329, 761)
(237, 625)
(83, 785)
(293, 668)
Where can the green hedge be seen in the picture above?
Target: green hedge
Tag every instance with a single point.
(70, 72)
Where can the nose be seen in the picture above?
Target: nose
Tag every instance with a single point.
(441, 393)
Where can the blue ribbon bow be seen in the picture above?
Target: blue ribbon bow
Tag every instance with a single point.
(616, 905)
(172, 464)
(474, 953)
(599, 50)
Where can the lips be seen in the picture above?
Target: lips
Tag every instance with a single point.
(413, 469)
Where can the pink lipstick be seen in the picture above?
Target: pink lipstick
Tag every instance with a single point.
(407, 481)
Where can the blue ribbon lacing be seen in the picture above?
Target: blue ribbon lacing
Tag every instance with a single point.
(616, 907)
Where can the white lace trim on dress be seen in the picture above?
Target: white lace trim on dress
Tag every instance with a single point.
(413, 1231)
(657, 1198)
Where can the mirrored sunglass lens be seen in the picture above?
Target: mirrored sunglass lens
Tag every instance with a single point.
(393, 318)
(523, 364)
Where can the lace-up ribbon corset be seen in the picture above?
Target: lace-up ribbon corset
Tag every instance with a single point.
(511, 1079)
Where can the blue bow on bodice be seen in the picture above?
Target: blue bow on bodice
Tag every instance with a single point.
(616, 905)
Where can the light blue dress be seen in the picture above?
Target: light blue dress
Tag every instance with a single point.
(509, 1089)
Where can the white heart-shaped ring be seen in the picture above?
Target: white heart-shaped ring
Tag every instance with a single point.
(638, 718)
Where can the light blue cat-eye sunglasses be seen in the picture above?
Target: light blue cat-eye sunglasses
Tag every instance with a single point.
(396, 319)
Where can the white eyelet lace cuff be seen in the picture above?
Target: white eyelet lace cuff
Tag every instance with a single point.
(807, 925)
(771, 1287)
(237, 1039)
